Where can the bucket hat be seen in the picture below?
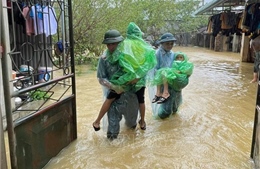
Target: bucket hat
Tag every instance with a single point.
(167, 37)
(112, 36)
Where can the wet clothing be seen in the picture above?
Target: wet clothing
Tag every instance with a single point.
(257, 62)
(176, 81)
(177, 76)
(164, 58)
(126, 105)
(140, 95)
(171, 105)
(167, 108)
(113, 95)
(136, 57)
(255, 45)
(132, 59)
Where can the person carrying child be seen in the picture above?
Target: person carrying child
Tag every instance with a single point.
(165, 57)
(168, 91)
(135, 58)
(177, 76)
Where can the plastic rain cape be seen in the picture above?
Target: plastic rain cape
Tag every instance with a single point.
(177, 75)
(176, 82)
(126, 106)
(136, 57)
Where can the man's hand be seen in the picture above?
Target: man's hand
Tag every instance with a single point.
(117, 89)
(105, 83)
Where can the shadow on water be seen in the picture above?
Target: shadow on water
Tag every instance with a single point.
(212, 129)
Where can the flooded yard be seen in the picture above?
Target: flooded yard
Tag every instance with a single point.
(212, 129)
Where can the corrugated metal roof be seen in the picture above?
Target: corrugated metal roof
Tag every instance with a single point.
(215, 6)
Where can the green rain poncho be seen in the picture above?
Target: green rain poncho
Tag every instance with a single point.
(136, 58)
(177, 76)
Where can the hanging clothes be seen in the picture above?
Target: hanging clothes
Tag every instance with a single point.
(209, 27)
(216, 24)
(29, 21)
(227, 20)
(251, 18)
(44, 18)
(18, 17)
(255, 20)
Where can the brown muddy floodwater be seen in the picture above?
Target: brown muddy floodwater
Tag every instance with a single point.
(212, 130)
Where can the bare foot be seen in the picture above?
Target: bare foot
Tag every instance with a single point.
(96, 126)
(142, 124)
(253, 81)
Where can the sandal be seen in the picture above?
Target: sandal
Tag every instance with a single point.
(162, 100)
(144, 127)
(96, 128)
(155, 99)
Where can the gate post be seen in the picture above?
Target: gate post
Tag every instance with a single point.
(6, 73)
(2, 145)
(2, 142)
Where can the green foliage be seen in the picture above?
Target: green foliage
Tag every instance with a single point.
(87, 58)
(94, 63)
(38, 95)
(92, 18)
(80, 59)
(185, 20)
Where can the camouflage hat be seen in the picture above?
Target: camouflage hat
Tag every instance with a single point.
(112, 36)
(167, 37)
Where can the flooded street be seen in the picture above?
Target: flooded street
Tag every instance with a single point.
(212, 129)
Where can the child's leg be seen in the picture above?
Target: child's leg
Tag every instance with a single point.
(165, 94)
(142, 115)
(158, 90)
(105, 107)
(157, 95)
(140, 97)
(165, 90)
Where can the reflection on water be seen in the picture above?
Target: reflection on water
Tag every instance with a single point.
(213, 128)
(223, 76)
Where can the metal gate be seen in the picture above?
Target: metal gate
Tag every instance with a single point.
(40, 96)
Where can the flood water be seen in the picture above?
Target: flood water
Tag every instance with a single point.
(212, 130)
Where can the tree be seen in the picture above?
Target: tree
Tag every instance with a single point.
(92, 18)
(186, 21)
